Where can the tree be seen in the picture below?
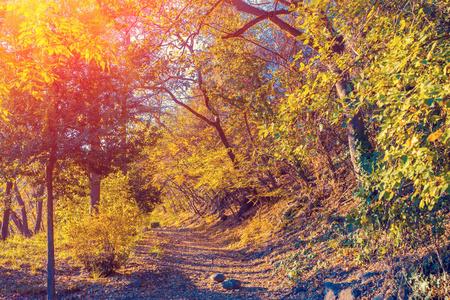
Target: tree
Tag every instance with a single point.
(322, 37)
(184, 73)
(47, 35)
(105, 128)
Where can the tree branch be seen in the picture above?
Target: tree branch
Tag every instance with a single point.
(200, 116)
(262, 15)
(255, 21)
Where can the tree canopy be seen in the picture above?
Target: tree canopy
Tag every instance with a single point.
(217, 106)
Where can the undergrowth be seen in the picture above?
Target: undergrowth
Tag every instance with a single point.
(418, 260)
(18, 252)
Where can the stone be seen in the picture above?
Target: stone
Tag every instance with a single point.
(218, 277)
(329, 295)
(331, 290)
(231, 284)
(335, 291)
(379, 297)
(348, 294)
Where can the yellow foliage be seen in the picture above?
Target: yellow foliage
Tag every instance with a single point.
(102, 242)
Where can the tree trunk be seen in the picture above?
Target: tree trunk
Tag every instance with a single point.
(7, 212)
(25, 231)
(50, 235)
(95, 192)
(95, 179)
(38, 225)
(358, 142)
(15, 218)
(224, 140)
(123, 140)
(38, 194)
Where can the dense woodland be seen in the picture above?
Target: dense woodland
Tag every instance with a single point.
(117, 112)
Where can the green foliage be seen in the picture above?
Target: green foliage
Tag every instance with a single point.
(297, 263)
(27, 29)
(427, 278)
(407, 90)
(102, 242)
(143, 191)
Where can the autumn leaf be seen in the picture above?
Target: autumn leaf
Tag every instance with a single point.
(434, 136)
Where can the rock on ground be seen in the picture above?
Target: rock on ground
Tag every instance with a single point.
(218, 277)
(231, 284)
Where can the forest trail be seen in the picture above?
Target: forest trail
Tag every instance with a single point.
(177, 264)
(167, 263)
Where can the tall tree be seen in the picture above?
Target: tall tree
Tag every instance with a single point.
(37, 39)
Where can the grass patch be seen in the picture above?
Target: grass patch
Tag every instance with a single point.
(18, 252)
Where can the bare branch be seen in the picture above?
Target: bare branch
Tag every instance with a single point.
(262, 15)
(256, 21)
(190, 109)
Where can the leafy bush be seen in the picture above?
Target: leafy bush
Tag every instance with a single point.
(406, 192)
(102, 242)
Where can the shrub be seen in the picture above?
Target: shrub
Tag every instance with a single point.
(102, 242)
(434, 286)
(406, 191)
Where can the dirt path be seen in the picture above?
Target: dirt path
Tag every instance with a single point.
(175, 264)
